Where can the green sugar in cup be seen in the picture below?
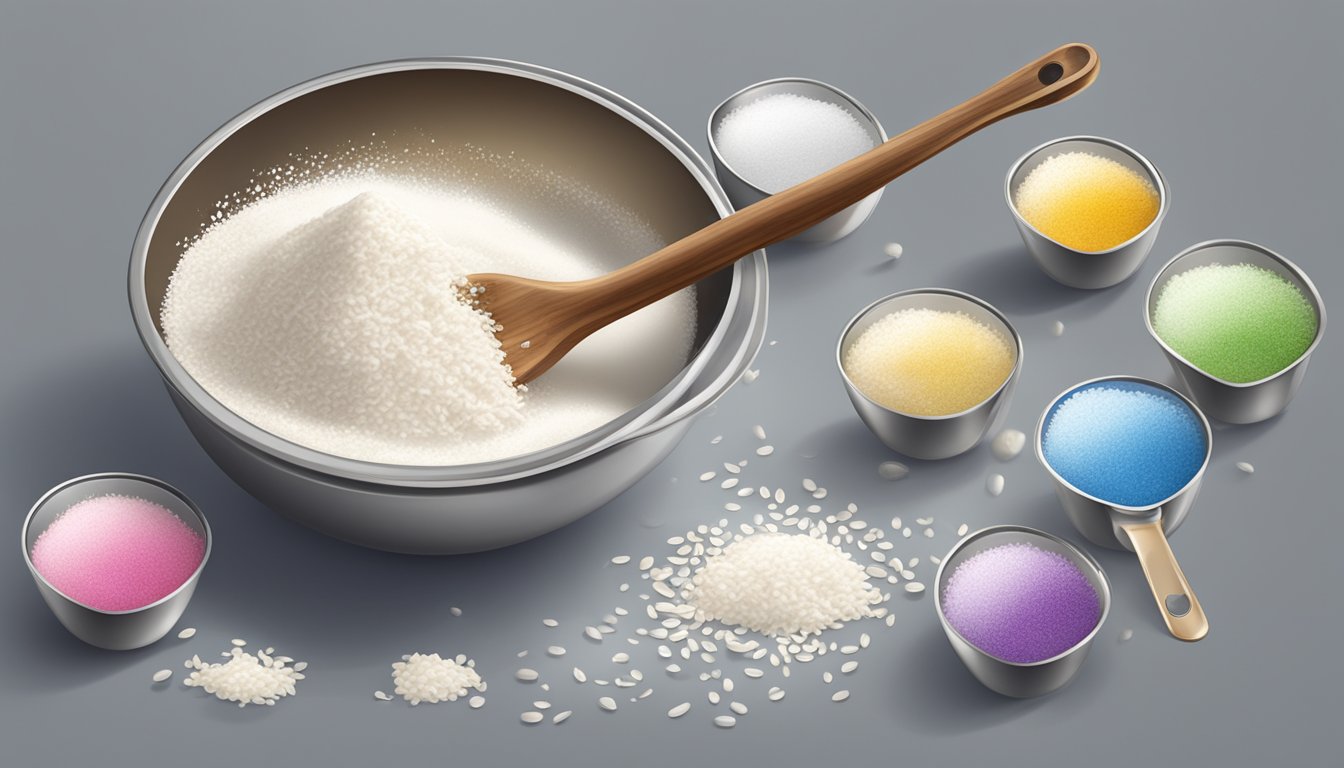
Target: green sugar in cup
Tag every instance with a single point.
(1237, 322)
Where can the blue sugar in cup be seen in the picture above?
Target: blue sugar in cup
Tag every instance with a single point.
(1124, 442)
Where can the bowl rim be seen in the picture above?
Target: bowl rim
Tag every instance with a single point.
(1300, 276)
(1159, 181)
(665, 407)
(1123, 508)
(1016, 338)
(1104, 593)
(715, 117)
(123, 477)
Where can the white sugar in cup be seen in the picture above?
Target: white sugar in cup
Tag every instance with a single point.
(743, 190)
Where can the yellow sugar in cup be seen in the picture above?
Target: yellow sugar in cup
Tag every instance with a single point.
(926, 362)
(1086, 202)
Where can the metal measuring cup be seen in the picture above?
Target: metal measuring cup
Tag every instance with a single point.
(114, 630)
(929, 437)
(743, 192)
(1087, 269)
(1141, 530)
(1224, 400)
(1017, 679)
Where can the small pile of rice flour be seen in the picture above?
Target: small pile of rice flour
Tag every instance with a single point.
(782, 584)
(432, 679)
(261, 679)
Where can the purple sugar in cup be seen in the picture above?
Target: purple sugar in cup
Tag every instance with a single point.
(1020, 607)
(1020, 603)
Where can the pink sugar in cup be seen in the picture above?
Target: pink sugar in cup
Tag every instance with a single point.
(117, 553)
(116, 556)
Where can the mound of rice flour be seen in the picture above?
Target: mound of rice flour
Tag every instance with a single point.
(347, 334)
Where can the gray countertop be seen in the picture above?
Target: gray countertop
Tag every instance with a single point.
(100, 101)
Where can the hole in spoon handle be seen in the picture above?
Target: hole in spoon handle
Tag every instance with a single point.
(1050, 73)
(1177, 605)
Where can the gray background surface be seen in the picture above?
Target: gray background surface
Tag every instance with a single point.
(100, 101)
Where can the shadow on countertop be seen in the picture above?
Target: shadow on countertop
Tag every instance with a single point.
(935, 690)
(1011, 281)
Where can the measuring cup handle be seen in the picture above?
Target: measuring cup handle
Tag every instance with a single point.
(1175, 599)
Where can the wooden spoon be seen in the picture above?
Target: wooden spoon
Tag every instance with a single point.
(537, 322)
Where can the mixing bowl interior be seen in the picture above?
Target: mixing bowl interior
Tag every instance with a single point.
(545, 152)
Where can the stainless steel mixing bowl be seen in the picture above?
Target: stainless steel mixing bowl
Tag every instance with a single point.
(591, 137)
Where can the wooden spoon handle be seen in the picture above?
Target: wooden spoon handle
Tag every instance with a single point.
(1051, 78)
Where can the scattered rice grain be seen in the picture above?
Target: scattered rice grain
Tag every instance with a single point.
(1008, 444)
(892, 470)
